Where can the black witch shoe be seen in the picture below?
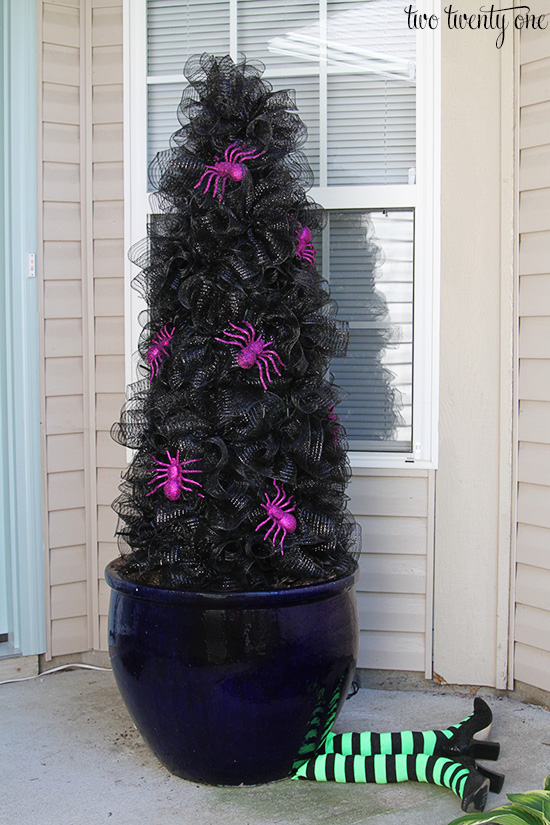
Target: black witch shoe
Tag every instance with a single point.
(467, 737)
(475, 793)
(496, 780)
(479, 782)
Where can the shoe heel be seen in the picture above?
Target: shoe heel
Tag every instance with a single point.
(496, 780)
(484, 750)
(476, 791)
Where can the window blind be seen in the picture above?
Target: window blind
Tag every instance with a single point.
(353, 74)
(353, 71)
(176, 30)
(371, 130)
(262, 28)
(371, 274)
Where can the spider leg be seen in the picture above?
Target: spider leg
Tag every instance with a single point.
(276, 354)
(280, 493)
(208, 171)
(165, 337)
(271, 528)
(217, 177)
(215, 192)
(252, 331)
(210, 179)
(159, 474)
(248, 336)
(243, 341)
(200, 180)
(276, 533)
(235, 343)
(237, 153)
(189, 481)
(265, 358)
(243, 336)
(264, 385)
(222, 193)
(154, 490)
(230, 151)
(262, 524)
(250, 155)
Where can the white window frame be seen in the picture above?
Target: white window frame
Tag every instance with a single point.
(424, 197)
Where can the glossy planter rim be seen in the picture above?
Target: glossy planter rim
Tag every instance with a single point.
(222, 599)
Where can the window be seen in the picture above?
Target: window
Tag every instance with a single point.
(365, 87)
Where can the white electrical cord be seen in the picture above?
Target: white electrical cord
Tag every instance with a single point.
(55, 670)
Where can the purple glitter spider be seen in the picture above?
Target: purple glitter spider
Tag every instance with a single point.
(170, 476)
(305, 250)
(279, 512)
(159, 350)
(253, 351)
(230, 168)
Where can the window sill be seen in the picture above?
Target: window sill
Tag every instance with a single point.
(380, 461)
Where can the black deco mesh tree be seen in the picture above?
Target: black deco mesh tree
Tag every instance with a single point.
(240, 468)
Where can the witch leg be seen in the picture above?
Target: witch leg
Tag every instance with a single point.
(462, 777)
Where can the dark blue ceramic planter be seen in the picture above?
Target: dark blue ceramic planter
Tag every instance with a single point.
(233, 688)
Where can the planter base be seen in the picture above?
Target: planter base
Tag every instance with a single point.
(233, 688)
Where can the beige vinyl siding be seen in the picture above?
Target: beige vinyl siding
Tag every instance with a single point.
(62, 329)
(108, 232)
(395, 511)
(82, 305)
(532, 616)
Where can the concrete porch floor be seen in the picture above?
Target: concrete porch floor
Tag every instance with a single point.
(70, 755)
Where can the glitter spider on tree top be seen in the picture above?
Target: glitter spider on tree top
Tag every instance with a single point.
(239, 472)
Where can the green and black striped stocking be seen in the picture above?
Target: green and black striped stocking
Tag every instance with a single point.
(424, 756)
(429, 742)
(464, 779)
(320, 724)
(384, 769)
